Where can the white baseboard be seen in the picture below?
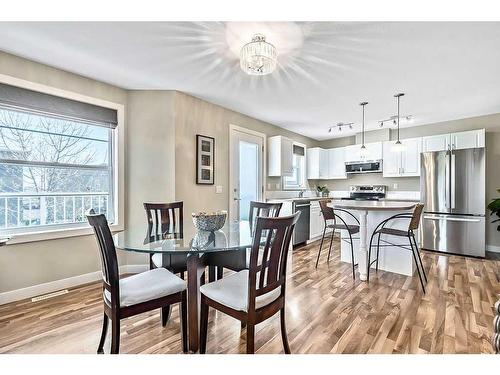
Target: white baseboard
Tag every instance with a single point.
(70, 282)
(493, 249)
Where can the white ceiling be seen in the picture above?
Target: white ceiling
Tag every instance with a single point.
(447, 70)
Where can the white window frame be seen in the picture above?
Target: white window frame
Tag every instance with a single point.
(303, 172)
(41, 234)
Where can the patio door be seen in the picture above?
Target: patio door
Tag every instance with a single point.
(246, 165)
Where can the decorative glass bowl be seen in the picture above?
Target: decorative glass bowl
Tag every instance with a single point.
(209, 221)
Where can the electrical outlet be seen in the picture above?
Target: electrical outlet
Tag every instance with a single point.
(218, 189)
(395, 186)
(269, 186)
(277, 186)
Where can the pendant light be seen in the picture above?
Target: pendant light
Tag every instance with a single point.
(363, 151)
(398, 146)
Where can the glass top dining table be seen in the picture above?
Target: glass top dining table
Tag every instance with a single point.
(232, 236)
(199, 247)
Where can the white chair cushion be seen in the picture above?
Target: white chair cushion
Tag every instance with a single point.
(232, 291)
(146, 286)
(157, 259)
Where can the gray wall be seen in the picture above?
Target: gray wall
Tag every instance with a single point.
(195, 116)
(149, 157)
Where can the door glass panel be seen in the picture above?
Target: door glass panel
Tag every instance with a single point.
(249, 179)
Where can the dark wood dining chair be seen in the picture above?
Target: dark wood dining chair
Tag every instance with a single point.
(166, 218)
(263, 209)
(258, 293)
(335, 222)
(239, 260)
(409, 233)
(136, 294)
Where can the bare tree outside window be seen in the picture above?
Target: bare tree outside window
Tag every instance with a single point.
(51, 169)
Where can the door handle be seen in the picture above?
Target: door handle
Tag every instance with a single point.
(452, 183)
(447, 178)
(452, 219)
(236, 199)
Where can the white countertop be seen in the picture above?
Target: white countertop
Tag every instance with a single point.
(290, 196)
(382, 205)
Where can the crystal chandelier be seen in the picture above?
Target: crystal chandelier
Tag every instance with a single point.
(258, 57)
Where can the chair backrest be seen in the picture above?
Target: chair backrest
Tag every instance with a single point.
(263, 209)
(165, 218)
(327, 211)
(415, 217)
(273, 235)
(107, 252)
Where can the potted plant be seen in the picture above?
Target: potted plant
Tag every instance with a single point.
(494, 207)
(322, 191)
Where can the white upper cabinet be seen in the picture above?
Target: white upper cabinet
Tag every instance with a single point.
(454, 141)
(440, 142)
(323, 164)
(410, 157)
(336, 163)
(405, 163)
(280, 156)
(391, 164)
(313, 163)
(468, 139)
(351, 153)
(373, 152)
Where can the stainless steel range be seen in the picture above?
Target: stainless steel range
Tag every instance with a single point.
(366, 192)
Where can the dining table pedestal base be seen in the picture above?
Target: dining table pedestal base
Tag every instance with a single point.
(196, 264)
(363, 248)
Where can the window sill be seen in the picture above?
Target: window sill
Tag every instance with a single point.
(56, 234)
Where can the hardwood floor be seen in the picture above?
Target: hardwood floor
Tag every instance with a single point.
(327, 312)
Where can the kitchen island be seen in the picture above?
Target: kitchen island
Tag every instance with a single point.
(370, 214)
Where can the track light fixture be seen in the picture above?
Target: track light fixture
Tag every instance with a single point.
(340, 126)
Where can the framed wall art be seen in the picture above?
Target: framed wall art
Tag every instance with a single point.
(205, 160)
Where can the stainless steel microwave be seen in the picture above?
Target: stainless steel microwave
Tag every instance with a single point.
(354, 167)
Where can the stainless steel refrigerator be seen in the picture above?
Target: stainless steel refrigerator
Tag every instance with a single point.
(452, 188)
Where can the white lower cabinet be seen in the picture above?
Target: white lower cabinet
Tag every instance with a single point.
(316, 222)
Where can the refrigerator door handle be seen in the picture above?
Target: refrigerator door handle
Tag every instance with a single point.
(452, 181)
(448, 218)
(447, 179)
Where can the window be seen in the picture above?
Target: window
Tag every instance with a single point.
(297, 180)
(54, 165)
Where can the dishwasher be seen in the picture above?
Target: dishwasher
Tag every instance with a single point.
(301, 232)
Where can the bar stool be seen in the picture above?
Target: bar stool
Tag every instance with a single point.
(409, 233)
(329, 215)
